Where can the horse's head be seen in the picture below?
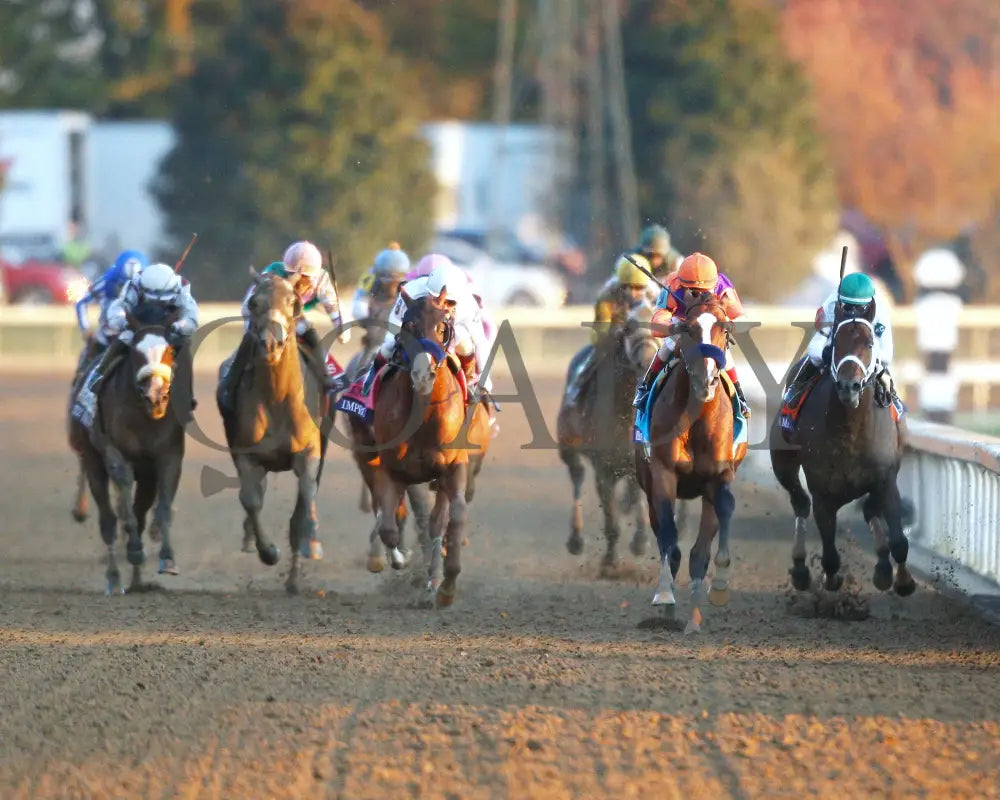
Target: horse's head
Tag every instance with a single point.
(273, 308)
(705, 335)
(427, 322)
(638, 343)
(853, 354)
(152, 359)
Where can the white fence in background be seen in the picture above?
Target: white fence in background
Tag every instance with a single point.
(953, 477)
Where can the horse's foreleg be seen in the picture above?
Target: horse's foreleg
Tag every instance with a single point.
(882, 576)
(97, 477)
(435, 544)
(80, 502)
(302, 525)
(724, 505)
(420, 504)
(825, 514)
(168, 478)
(662, 498)
(574, 463)
(698, 562)
(605, 480)
(786, 465)
(123, 482)
(899, 545)
(454, 486)
(253, 478)
(388, 494)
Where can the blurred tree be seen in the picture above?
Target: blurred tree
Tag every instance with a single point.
(908, 93)
(46, 55)
(452, 45)
(301, 125)
(727, 153)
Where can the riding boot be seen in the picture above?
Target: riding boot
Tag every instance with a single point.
(377, 363)
(793, 393)
(317, 360)
(116, 350)
(91, 350)
(744, 405)
(646, 384)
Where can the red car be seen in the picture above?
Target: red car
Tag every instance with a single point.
(41, 281)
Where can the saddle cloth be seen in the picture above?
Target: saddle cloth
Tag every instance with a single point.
(741, 429)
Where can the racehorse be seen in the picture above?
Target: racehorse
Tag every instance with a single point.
(277, 420)
(133, 446)
(424, 435)
(849, 447)
(598, 426)
(692, 454)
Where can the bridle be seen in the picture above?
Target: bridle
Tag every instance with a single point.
(867, 370)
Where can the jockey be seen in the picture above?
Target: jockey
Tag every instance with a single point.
(471, 343)
(619, 296)
(854, 296)
(157, 284)
(376, 292)
(302, 266)
(696, 274)
(104, 290)
(654, 245)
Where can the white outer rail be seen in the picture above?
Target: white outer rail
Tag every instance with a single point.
(953, 477)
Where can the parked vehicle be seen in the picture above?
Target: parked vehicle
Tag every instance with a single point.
(504, 283)
(40, 280)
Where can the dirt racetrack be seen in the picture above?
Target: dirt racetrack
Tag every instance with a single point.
(544, 680)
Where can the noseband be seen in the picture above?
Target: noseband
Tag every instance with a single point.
(866, 370)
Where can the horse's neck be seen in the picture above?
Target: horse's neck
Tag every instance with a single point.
(855, 420)
(279, 382)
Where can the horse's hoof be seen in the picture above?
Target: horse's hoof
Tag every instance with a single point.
(905, 585)
(78, 515)
(665, 599)
(375, 563)
(637, 546)
(718, 597)
(397, 558)
(834, 582)
(292, 589)
(113, 588)
(801, 579)
(446, 594)
(312, 550)
(269, 554)
(882, 577)
(136, 557)
(433, 584)
(168, 567)
(575, 544)
(248, 546)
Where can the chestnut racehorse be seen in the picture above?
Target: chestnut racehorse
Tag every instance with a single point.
(692, 454)
(422, 434)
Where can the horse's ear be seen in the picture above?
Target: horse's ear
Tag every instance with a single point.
(406, 298)
(257, 277)
(870, 311)
(728, 326)
(443, 297)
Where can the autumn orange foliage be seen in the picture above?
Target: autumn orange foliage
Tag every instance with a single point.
(909, 102)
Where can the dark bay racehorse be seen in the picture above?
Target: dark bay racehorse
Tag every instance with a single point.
(598, 427)
(278, 420)
(849, 447)
(419, 426)
(134, 448)
(692, 455)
